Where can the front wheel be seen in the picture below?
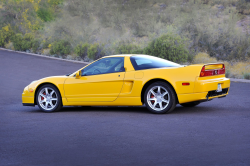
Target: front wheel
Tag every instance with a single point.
(48, 98)
(159, 98)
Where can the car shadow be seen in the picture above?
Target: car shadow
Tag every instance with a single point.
(132, 109)
(141, 109)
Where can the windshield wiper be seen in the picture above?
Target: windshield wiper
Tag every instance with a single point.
(68, 74)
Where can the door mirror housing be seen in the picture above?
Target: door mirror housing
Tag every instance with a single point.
(78, 74)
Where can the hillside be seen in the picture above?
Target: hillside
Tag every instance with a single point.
(177, 30)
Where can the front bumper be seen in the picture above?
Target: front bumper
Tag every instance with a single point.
(27, 98)
(205, 89)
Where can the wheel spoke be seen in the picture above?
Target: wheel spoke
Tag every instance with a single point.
(152, 99)
(46, 105)
(165, 93)
(51, 93)
(165, 101)
(54, 99)
(160, 104)
(46, 91)
(154, 104)
(159, 90)
(152, 92)
(42, 95)
(51, 104)
(42, 101)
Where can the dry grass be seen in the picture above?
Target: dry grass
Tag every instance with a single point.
(9, 46)
(203, 58)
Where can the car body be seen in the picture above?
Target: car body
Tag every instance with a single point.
(125, 84)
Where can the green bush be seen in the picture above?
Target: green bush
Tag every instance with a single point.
(127, 48)
(243, 6)
(45, 44)
(228, 73)
(81, 49)
(169, 46)
(23, 43)
(5, 35)
(61, 47)
(95, 51)
(35, 45)
(246, 76)
(45, 14)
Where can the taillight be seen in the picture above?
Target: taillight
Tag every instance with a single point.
(212, 72)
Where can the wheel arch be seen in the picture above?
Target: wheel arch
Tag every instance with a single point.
(44, 83)
(149, 82)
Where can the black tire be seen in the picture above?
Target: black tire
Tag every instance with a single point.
(160, 98)
(49, 99)
(191, 104)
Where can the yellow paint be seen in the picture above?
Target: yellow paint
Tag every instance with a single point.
(125, 88)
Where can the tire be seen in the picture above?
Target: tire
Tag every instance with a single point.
(191, 104)
(160, 98)
(48, 98)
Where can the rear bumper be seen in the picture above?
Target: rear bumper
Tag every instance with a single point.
(206, 90)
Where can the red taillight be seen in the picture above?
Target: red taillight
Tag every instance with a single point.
(212, 72)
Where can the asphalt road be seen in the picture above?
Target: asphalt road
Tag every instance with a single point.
(213, 133)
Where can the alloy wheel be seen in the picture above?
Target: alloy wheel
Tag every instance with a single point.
(158, 98)
(47, 98)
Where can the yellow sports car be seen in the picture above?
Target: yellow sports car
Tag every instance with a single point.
(130, 80)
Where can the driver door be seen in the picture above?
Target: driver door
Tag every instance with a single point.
(101, 81)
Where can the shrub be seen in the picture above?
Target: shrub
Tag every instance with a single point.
(23, 43)
(45, 44)
(169, 46)
(35, 45)
(203, 58)
(81, 50)
(95, 51)
(228, 73)
(61, 47)
(127, 48)
(246, 76)
(243, 6)
(45, 14)
(5, 35)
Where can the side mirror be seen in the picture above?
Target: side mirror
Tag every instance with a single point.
(78, 74)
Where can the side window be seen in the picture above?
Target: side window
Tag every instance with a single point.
(105, 66)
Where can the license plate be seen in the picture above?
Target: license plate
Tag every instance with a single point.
(219, 89)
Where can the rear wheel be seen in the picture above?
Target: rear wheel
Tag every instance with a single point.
(159, 98)
(191, 104)
(48, 98)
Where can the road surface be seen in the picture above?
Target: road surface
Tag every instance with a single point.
(213, 133)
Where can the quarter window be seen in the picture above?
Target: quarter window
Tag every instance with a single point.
(148, 62)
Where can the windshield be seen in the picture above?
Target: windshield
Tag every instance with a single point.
(148, 62)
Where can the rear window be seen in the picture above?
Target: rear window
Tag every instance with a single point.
(149, 62)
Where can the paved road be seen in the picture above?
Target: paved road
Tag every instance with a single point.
(213, 133)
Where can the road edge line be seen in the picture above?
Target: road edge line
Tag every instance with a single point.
(45, 56)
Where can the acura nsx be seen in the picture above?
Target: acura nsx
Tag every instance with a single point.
(130, 80)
